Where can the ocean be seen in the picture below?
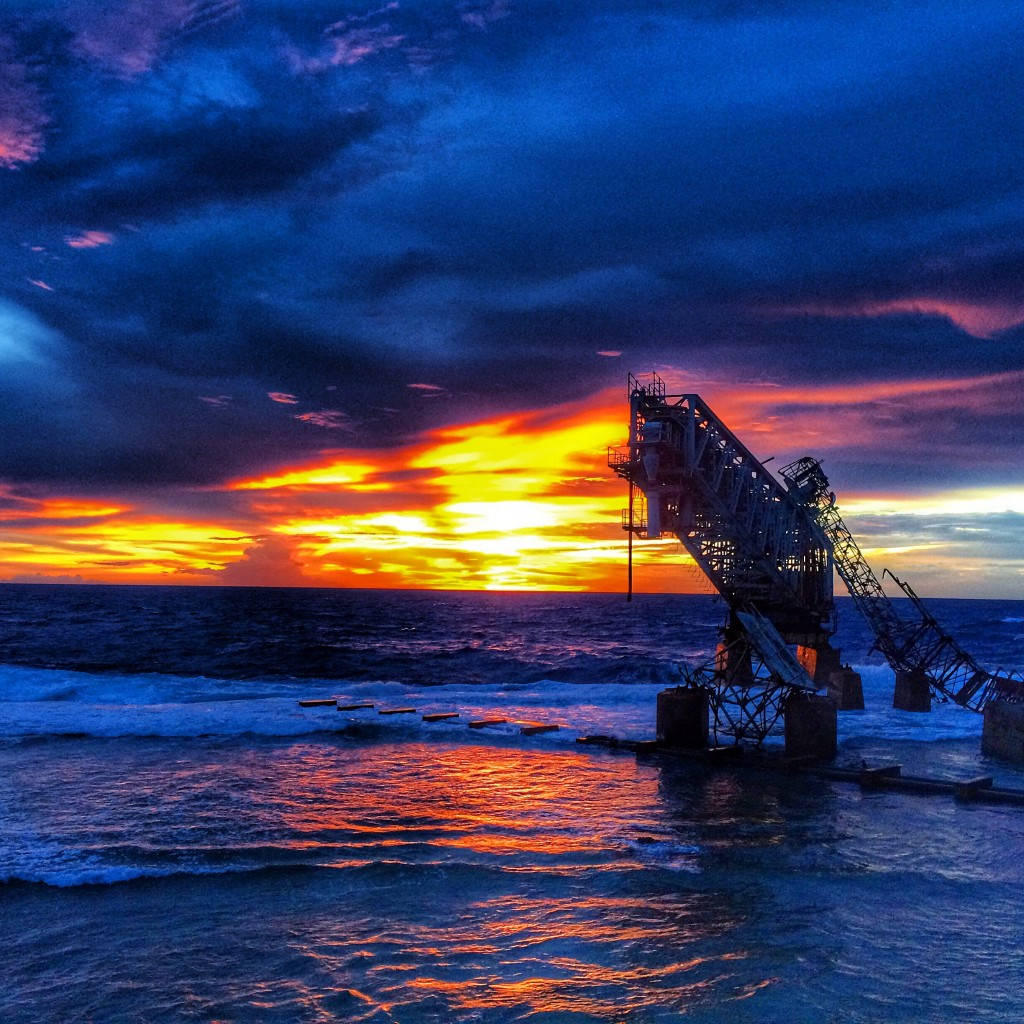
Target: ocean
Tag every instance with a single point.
(181, 841)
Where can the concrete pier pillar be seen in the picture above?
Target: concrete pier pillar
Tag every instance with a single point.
(845, 688)
(819, 662)
(810, 723)
(682, 719)
(734, 663)
(913, 692)
(1002, 734)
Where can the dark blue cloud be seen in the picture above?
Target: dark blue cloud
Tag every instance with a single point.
(483, 195)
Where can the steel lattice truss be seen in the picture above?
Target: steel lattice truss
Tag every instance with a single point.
(909, 645)
(750, 680)
(690, 476)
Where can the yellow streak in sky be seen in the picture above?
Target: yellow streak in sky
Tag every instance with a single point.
(521, 501)
(950, 503)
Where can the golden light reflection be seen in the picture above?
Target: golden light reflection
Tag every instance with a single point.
(535, 820)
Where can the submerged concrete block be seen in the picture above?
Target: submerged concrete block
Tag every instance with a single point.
(819, 662)
(1002, 734)
(913, 692)
(535, 728)
(682, 719)
(811, 726)
(845, 688)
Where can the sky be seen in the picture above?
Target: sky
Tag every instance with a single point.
(345, 294)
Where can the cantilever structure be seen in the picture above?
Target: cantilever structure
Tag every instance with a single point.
(691, 477)
(769, 549)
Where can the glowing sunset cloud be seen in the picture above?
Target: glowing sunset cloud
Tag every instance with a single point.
(89, 240)
(519, 501)
(951, 503)
(516, 502)
(871, 415)
(116, 550)
(522, 501)
(265, 261)
(979, 319)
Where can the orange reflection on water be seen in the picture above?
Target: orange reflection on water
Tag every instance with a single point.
(466, 799)
(602, 956)
(528, 858)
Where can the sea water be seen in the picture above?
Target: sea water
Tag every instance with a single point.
(181, 841)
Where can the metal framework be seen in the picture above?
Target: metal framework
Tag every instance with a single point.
(690, 476)
(750, 680)
(909, 645)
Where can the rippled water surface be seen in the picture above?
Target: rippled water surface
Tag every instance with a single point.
(186, 846)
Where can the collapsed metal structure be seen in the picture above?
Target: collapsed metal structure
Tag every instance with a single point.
(916, 644)
(690, 476)
(769, 550)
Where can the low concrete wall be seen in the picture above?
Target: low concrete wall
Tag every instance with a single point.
(845, 688)
(913, 692)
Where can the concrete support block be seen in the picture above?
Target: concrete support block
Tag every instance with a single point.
(810, 724)
(1002, 734)
(734, 664)
(844, 687)
(913, 692)
(819, 662)
(682, 719)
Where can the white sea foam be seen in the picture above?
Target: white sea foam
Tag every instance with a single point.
(41, 702)
(49, 702)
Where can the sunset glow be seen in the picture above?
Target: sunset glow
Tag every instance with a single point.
(514, 502)
(349, 297)
(518, 502)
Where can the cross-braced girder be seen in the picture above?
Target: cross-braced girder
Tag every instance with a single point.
(909, 644)
(690, 476)
(750, 680)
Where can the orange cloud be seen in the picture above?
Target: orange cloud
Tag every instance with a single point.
(23, 120)
(871, 415)
(519, 501)
(522, 501)
(129, 38)
(514, 502)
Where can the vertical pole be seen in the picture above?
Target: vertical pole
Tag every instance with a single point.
(634, 453)
(629, 557)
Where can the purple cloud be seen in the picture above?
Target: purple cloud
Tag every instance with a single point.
(23, 118)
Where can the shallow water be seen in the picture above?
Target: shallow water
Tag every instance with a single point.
(180, 846)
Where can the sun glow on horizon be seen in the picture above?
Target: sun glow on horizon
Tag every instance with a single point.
(513, 502)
